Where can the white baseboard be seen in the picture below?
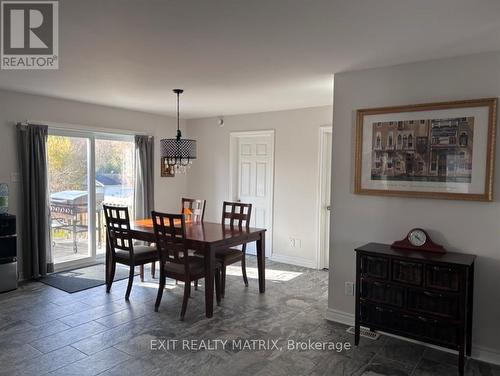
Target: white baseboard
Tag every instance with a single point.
(481, 353)
(293, 260)
(340, 317)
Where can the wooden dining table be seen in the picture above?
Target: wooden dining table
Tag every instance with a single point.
(207, 238)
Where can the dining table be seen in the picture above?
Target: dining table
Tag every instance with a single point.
(206, 238)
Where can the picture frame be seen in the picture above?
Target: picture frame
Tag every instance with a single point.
(442, 150)
(167, 171)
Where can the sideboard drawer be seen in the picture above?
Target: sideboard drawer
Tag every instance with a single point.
(443, 277)
(375, 267)
(433, 303)
(407, 272)
(376, 315)
(380, 292)
(430, 329)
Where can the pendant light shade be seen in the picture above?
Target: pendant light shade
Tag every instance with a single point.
(177, 152)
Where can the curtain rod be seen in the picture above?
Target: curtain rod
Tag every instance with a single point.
(81, 127)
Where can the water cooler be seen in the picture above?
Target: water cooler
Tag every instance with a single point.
(8, 253)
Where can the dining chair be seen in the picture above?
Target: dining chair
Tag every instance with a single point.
(122, 246)
(175, 261)
(193, 209)
(235, 214)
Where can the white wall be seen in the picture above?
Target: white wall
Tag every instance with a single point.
(469, 227)
(296, 173)
(15, 107)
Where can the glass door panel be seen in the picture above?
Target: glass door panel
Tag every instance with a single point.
(114, 179)
(68, 178)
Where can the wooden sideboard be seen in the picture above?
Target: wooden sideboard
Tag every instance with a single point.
(418, 295)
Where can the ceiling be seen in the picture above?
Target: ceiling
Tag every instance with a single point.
(243, 56)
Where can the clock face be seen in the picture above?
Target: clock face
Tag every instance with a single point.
(417, 238)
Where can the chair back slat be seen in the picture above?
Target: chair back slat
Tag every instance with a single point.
(193, 209)
(170, 234)
(118, 228)
(236, 214)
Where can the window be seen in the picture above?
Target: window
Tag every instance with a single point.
(389, 140)
(378, 141)
(410, 141)
(464, 139)
(399, 140)
(405, 141)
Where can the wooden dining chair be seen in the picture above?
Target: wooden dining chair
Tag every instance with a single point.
(174, 258)
(193, 209)
(122, 246)
(236, 214)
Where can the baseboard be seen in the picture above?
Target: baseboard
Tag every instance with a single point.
(293, 260)
(340, 316)
(481, 353)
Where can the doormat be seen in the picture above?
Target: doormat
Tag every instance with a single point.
(84, 278)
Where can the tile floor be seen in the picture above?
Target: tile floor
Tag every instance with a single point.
(47, 331)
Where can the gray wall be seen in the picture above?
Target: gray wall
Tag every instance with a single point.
(469, 227)
(15, 107)
(296, 168)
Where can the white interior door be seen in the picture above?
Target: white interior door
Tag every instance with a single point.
(325, 184)
(254, 184)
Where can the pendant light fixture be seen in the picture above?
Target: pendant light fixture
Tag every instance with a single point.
(178, 152)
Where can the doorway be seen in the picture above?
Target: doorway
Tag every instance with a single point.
(252, 178)
(324, 205)
(85, 170)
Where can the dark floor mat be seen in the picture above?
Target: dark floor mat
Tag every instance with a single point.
(84, 278)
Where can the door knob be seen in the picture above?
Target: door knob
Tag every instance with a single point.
(328, 207)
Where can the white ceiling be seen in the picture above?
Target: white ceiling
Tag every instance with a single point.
(242, 56)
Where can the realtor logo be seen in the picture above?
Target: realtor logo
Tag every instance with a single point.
(30, 35)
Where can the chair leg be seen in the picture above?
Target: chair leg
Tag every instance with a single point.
(130, 281)
(187, 293)
(223, 281)
(217, 286)
(196, 285)
(111, 276)
(153, 269)
(161, 287)
(244, 269)
(142, 273)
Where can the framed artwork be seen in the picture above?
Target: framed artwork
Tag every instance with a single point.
(435, 150)
(167, 171)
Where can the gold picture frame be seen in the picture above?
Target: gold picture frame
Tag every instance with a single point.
(442, 163)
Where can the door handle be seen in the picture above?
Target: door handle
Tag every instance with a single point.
(328, 207)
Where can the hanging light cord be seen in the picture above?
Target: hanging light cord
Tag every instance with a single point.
(179, 135)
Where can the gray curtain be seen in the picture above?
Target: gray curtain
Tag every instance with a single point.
(144, 176)
(32, 148)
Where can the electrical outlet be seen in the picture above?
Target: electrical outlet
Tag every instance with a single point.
(349, 288)
(295, 242)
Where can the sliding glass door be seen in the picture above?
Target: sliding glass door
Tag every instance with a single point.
(69, 171)
(114, 179)
(86, 170)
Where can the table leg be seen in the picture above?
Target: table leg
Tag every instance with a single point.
(209, 281)
(261, 255)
